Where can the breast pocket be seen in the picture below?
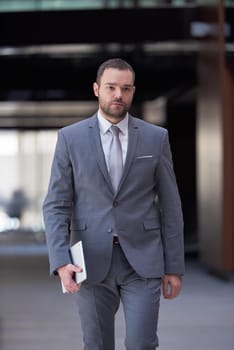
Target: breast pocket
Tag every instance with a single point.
(144, 165)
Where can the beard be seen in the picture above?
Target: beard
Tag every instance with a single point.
(114, 111)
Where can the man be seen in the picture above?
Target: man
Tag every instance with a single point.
(114, 188)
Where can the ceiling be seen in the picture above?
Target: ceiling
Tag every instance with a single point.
(51, 56)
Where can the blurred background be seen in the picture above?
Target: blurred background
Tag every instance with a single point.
(183, 55)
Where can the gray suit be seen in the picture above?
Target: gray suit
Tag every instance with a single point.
(145, 211)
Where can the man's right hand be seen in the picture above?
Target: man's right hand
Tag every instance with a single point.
(66, 274)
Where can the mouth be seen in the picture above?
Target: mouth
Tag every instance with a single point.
(117, 103)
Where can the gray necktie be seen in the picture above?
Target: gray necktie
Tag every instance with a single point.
(115, 157)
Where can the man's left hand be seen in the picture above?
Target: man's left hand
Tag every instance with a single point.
(171, 286)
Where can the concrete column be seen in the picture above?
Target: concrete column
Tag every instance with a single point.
(215, 164)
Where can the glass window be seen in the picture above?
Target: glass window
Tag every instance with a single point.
(37, 5)
(25, 158)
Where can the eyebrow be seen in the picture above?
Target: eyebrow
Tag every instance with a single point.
(125, 85)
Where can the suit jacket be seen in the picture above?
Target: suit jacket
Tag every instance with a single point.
(145, 211)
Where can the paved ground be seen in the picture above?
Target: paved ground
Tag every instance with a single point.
(35, 315)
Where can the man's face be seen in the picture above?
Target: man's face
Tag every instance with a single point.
(115, 93)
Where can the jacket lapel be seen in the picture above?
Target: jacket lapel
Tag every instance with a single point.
(132, 143)
(98, 150)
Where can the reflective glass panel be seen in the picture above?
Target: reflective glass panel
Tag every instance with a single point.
(25, 158)
(37, 5)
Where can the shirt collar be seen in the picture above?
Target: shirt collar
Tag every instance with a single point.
(105, 125)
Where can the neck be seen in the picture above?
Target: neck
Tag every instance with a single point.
(112, 120)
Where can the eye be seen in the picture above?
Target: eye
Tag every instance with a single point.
(110, 87)
(127, 89)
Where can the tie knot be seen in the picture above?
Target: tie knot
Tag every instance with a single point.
(114, 130)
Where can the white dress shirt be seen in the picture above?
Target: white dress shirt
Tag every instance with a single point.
(106, 136)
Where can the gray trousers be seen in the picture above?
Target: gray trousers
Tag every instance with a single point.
(99, 303)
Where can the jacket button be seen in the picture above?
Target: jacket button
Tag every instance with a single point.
(115, 204)
(109, 230)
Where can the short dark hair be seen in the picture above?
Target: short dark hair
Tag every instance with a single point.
(117, 63)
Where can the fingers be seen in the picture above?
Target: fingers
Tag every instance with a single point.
(67, 274)
(172, 285)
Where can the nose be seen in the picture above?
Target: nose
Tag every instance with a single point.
(118, 93)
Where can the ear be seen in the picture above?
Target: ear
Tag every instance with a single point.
(95, 89)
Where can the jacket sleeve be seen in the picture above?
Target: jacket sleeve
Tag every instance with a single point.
(171, 211)
(57, 206)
